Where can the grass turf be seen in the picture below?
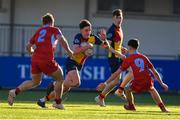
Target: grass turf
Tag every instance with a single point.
(81, 105)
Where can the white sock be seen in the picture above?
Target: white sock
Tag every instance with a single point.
(42, 100)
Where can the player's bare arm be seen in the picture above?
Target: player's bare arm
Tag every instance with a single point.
(111, 78)
(106, 44)
(158, 77)
(63, 42)
(78, 49)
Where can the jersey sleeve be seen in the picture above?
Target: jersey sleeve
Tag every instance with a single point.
(97, 40)
(110, 34)
(149, 64)
(125, 65)
(77, 40)
(58, 33)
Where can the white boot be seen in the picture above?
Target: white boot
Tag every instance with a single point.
(100, 101)
(11, 97)
(58, 106)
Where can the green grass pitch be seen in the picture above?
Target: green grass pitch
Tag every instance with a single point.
(81, 105)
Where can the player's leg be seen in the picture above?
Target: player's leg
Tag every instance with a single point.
(156, 97)
(36, 80)
(58, 88)
(114, 64)
(130, 99)
(50, 93)
(72, 80)
(109, 87)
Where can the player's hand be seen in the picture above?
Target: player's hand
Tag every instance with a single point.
(124, 50)
(106, 44)
(101, 87)
(71, 53)
(118, 92)
(122, 56)
(164, 86)
(102, 34)
(90, 46)
(31, 51)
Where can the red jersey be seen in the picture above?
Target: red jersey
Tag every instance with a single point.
(140, 66)
(45, 40)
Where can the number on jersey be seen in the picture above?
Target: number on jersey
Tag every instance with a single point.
(42, 35)
(139, 62)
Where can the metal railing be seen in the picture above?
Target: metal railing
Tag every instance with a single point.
(22, 33)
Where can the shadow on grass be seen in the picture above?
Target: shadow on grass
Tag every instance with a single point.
(24, 108)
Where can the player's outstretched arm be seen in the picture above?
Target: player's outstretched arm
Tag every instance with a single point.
(158, 77)
(114, 75)
(29, 48)
(63, 42)
(117, 53)
(106, 44)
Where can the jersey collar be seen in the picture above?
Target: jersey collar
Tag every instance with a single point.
(46, 25)
(136, 52)
(115, 26)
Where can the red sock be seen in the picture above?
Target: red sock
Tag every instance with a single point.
(101, 96)
(17, 91)
(58, 101)
(161, 105)
(130, 104)
(47, 98)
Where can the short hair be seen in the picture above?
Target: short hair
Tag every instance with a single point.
(117, 12)
(47, 18)
(84, 23)
(134, 43)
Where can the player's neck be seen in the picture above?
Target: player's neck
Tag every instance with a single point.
(133, 52)
(47, 25)
(117, 25)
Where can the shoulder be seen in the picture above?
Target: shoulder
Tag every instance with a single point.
(78, 36)
(111, 28)
(143, 56)
(110, 31)
(55, 29)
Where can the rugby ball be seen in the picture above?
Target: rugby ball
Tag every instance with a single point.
(88, 52)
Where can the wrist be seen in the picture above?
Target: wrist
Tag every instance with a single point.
(121, 88)
(105, 83)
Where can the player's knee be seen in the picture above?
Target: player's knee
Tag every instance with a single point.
(77, 84)
(67, 88)
(152, 89)
(36, 82)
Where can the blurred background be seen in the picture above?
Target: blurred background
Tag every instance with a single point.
(156, 23)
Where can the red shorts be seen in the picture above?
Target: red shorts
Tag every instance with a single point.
(141, 87)
(46, 67)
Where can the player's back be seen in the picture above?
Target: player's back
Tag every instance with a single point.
(140, 65)
(45, 40)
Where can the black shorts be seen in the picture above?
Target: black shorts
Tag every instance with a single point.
(114, 63)
(72, 65)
